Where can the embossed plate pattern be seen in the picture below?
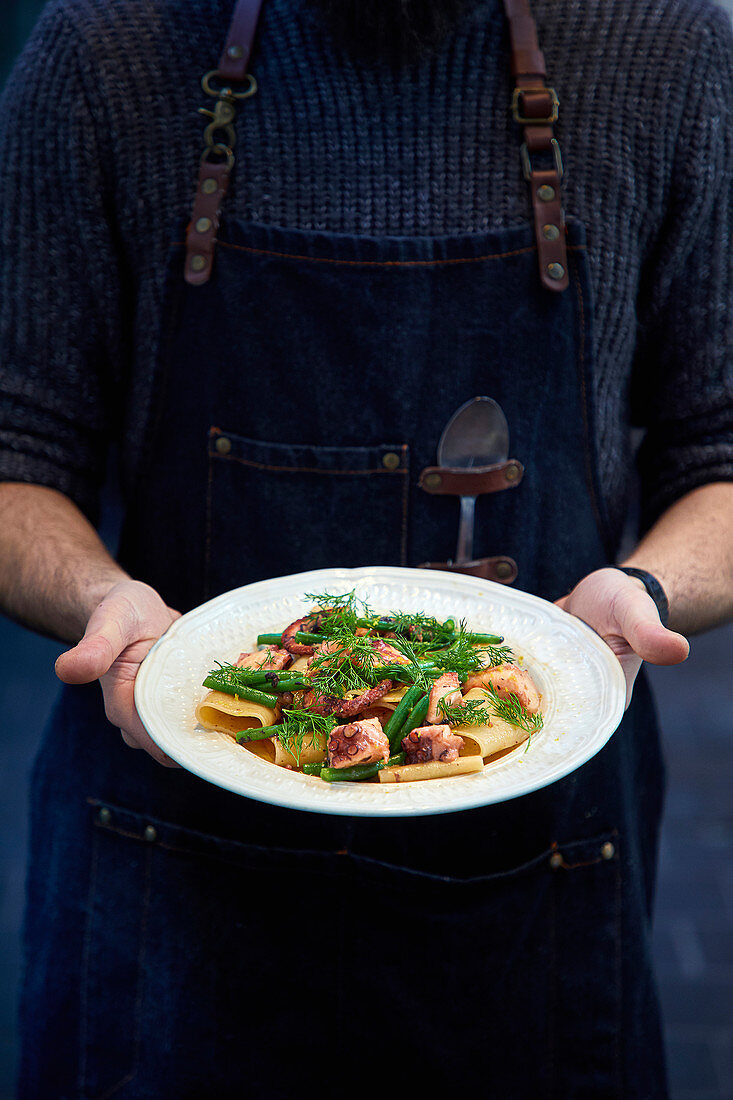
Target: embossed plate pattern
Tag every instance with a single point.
(580, 679)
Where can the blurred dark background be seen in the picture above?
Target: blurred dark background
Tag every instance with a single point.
(694, 919)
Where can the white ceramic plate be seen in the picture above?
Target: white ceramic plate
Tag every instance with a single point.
(580, 679)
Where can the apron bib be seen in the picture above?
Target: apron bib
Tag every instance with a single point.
(223, 945)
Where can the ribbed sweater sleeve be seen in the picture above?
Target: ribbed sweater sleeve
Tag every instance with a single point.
(60, 293)
(683, 371)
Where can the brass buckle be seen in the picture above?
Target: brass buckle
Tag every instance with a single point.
(227, 92)
(524, 121)
(527, 163)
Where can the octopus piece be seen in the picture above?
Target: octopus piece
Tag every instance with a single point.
(447, 687)
(309, 624)
(271, 657)
(431, 743)
(323, 650)
(386, 654)
(508, 680)
(363, 742)
(345, 708)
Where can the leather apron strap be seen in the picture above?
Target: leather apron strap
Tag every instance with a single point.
(217, 160)
(534, 106)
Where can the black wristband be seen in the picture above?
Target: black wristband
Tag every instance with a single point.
(654, 589)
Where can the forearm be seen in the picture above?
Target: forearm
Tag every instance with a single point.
(54, 568)
(690, 551)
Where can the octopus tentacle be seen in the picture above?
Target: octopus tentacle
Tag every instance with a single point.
(288, 639)
(346, 708)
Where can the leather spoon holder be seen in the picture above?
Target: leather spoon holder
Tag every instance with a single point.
(449, 481)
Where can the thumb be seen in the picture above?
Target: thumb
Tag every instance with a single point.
(638, 622)
(109, 631)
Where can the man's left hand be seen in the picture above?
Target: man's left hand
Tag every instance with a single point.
(619, 608)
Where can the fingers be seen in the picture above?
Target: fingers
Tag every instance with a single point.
(638, 622)
(119, 706)
(110, 630)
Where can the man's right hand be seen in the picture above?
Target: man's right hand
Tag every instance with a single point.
(120, 631)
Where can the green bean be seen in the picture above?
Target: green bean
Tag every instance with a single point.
(257, 734)
(242, 691)
(269, 639)
(488, 639)
(415, 718)
(312, 769)
(401, 712)
(359, 772)
(288, 683)
(309, 639)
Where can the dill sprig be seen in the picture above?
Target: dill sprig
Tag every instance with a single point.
(414, 671)
(301, 727)
(495, 655)
(511, 710)
(470, 713)
(350, 667)
(460, 655)
(339, 612)
(232, 675)
(417, 627)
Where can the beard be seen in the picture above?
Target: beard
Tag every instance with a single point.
(397, 30)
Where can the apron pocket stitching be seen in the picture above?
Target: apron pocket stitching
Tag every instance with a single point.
(305, 469)
(86, 968)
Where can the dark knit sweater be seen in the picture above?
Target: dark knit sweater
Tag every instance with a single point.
(98, 158)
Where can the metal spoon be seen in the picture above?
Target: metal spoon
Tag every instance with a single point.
(476, 435)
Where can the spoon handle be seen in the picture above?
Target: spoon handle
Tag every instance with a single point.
(464, 551)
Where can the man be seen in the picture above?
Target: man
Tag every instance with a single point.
(374, 253)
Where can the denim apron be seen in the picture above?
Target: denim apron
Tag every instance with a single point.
(187, 942)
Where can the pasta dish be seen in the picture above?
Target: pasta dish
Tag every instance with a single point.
(348, 694)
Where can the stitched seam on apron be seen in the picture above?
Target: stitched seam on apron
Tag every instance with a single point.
(584, 404)
(405, 503)
(384, 263)
(209, 526)
(129, 1076)
(619, 971)
(83, 1006)
(304, 469)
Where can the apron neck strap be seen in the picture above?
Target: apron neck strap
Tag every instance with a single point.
(228, 84)
(535, 108)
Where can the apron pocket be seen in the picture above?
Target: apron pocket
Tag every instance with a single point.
(204, 962)
(267, 502)
(513, 980)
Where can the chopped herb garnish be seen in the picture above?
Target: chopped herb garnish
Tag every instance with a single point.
(511, 710)
(471, 713)
(301, 727)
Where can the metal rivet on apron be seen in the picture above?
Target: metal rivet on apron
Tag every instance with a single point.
(198, 263)
(151, 833)
(511, 473)
(235, 52)
(223, 445)
(203, 225)
(556, 271)
(556, 860)
(105, 816)
(503, 569)
(608, 851)
(546, 193)
(433, 481)
(390, 461)
(209, 186)
(550, 232)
